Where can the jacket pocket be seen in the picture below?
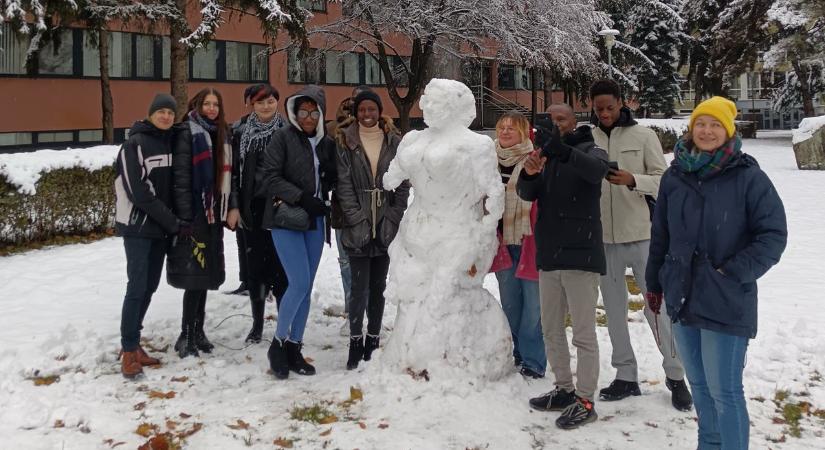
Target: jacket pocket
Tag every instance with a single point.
(388, 231)
(356, 236)
(716, 296)
(672, 279)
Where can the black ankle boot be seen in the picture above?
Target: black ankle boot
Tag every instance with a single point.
(257, 295)
(356, 351)
(186, 345)
(296, 360)
(201, 340)
(278, 360)
(370, 344)
(680, 395)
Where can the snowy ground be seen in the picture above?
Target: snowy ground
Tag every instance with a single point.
(60, 316)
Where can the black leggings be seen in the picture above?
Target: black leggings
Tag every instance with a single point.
(369, 279)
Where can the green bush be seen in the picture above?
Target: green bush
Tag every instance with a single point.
(70, 201)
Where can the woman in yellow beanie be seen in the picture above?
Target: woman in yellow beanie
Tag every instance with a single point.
(718, 226)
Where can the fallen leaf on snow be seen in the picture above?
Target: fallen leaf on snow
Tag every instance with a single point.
(45, 381)
(139, 406)
(146, 429)
(183, 415)
(355, 394)
(186, 433)
(328, 419)
(158, 442)
(159, 394)
(180, 379)
(240, 425)
(651, 424)
(284, 443)
(326, 433)
(362, 425)
(171, 425)
(383, 426)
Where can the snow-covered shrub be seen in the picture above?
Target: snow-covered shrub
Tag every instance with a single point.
(64, 199)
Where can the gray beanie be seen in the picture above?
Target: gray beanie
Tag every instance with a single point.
(163, 101)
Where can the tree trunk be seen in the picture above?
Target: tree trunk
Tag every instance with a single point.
(106, 103)
(404, 107)
(802, 75)
(179, 65)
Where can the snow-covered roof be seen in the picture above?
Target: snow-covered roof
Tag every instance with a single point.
(24, 169)
(807, 128)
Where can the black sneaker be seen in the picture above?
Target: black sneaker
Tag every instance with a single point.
(680, 395)
(555, 400)
(619, 389)
(527, 372)
(582, 411)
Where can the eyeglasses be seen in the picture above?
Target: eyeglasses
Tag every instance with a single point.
(303, 114)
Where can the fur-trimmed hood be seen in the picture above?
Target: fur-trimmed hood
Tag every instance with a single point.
(346, 136)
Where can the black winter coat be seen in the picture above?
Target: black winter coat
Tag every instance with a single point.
(288, 166)
(569, 229)
(196, 263)
(143, 187)
(371, 214)
(711, 240)
(249, 183)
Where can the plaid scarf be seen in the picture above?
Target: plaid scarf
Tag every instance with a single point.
(705, 164)
(516, 216)
(203, 168)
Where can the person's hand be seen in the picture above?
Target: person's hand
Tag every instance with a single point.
(654, 301)
(232, 218)
(312, 205)
(534, 163)
(547, 135)
(185, 229)
(621, 177)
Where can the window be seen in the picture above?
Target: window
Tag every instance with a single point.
(145, 56)
(120, 55)
(55, 57)
(303, 70)
(91, 56)
(12, 51)
(205, 62)
(260, 62)
(12, 139)
(341, 68)
(313, 5)
(246, 62)
(166, 56)
(506, 76)
(90, 136)
(56, 136)
(372, 71)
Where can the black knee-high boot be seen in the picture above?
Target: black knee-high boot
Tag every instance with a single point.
(185, 344)
(201, 340)
(257, 299)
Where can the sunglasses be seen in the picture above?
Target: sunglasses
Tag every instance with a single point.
(303, 114)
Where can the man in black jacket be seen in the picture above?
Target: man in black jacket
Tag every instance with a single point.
(565, 179)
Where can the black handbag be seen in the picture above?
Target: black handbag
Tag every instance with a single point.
(290, 217)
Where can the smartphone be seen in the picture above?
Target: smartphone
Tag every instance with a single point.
(611, 167)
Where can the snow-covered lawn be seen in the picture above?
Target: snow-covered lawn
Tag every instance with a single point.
(60, 310)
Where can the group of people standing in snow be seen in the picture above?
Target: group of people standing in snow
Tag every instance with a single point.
(582, 205)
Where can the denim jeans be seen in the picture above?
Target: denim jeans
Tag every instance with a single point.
(300, 254)
(714, 363)
(144, 263)
(521, 304)
(346, 272)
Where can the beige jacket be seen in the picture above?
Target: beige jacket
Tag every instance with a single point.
(625, 214)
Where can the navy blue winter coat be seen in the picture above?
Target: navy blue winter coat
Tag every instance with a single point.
(711, 240)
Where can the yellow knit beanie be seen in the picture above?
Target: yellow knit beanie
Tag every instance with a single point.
(720, 109)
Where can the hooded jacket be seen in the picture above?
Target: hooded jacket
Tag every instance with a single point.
(370, 214)
(143, 186)
(712, 239)
(288, 166)
(568, 230)
(625, 212)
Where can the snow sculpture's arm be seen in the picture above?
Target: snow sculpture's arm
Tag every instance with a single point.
(491, 185)
(399, 166)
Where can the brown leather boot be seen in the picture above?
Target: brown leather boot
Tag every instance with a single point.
(129, 365)
(144, 359)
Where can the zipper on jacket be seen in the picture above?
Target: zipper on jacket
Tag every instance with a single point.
(610, 188)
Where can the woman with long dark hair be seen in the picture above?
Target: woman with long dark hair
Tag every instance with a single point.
(203, 197)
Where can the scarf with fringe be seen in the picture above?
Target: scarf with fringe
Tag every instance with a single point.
(516, 216)
(203, 168)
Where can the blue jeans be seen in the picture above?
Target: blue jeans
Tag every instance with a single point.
(521, 304)
(714, 363)
(144, 264)
(300, 254)
(346, 273)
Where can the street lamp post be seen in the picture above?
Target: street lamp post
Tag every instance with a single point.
(609, 36)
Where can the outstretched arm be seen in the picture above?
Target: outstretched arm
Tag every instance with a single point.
(401, 164)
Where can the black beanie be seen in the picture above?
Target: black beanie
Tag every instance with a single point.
(163, 101)
(367, 95)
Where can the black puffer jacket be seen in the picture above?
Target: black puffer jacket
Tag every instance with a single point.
(569, 228)
(198, 263)
(143, 187)
(288, 166)
(371, 214)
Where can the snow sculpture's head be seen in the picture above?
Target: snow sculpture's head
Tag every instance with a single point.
(447, 104)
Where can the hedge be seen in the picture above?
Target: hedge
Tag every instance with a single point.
(68, 201)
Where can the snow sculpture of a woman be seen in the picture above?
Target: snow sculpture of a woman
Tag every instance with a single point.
(447, 323)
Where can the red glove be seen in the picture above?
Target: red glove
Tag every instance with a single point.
(654, 301)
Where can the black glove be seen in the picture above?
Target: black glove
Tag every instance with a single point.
(185, 229)
(548, 139)
(312, 205)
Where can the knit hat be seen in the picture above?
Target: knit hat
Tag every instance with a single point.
(366, 95)
(163, 101)
(720, 109)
